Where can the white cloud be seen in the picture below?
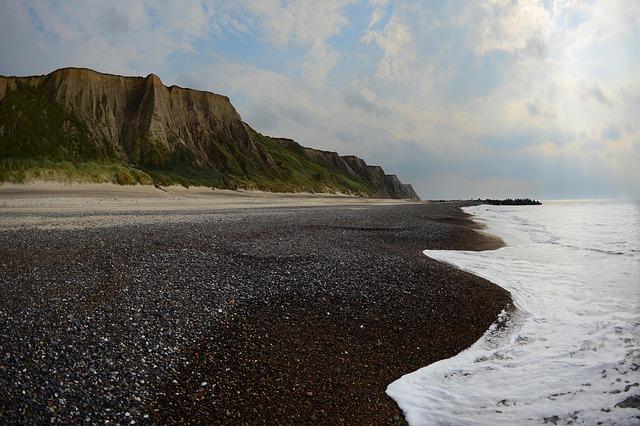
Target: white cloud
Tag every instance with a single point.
(523, 25)
(394, 40)
(379, 12)
(303, 22)
(441, 185)
(593, 92)
(133, 36)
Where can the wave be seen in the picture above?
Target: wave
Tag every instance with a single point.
(570, 351)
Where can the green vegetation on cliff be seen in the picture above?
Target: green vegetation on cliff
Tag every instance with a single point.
(292, 166)
(78, 125)
(33, 127)
(21, 170)
(291, 172)
(40, 140)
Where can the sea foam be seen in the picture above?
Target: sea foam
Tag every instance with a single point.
(570, 351)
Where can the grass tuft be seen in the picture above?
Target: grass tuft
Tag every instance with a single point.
(20, 170)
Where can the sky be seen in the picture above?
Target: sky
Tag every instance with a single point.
(479, 98)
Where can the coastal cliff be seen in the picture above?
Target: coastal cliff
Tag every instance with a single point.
(164, 135)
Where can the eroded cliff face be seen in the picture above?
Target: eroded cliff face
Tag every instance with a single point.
(139, 121)
(145, 122)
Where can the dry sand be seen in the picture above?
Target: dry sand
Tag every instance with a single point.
(88, 205)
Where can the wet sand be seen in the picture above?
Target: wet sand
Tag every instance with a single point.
(174, 312)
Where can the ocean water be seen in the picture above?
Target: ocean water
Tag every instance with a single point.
(570, 351)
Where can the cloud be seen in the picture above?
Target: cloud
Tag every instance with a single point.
(537, 109)
(379, 12)
(473, 187)
(263, 117)
(394, 40)
(546, 149)
(533, 109)
(515, 26)
(460, 98)
(120, 37)
(307, 22)
(304, 21)
(320, 62)
(359, 101)
(594, 92)
(114, 22)
(611, 133)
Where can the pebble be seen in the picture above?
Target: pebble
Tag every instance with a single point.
(271, 300)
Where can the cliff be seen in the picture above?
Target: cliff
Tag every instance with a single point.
(172, 134)
(386, 186)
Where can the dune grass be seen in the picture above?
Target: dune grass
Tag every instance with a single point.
(20, 170)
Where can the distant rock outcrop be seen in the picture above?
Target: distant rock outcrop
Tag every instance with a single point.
(76, 114)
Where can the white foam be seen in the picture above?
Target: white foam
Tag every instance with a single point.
(570, 352)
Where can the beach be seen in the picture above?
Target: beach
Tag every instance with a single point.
(138, 304)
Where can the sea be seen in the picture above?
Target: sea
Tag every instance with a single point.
(569, 351)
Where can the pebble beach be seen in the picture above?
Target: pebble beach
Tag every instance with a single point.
(241, 314)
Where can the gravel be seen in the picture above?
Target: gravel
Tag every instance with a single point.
(287, 315)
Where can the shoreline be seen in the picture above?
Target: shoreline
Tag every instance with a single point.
(234, 315)
(558, 260)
